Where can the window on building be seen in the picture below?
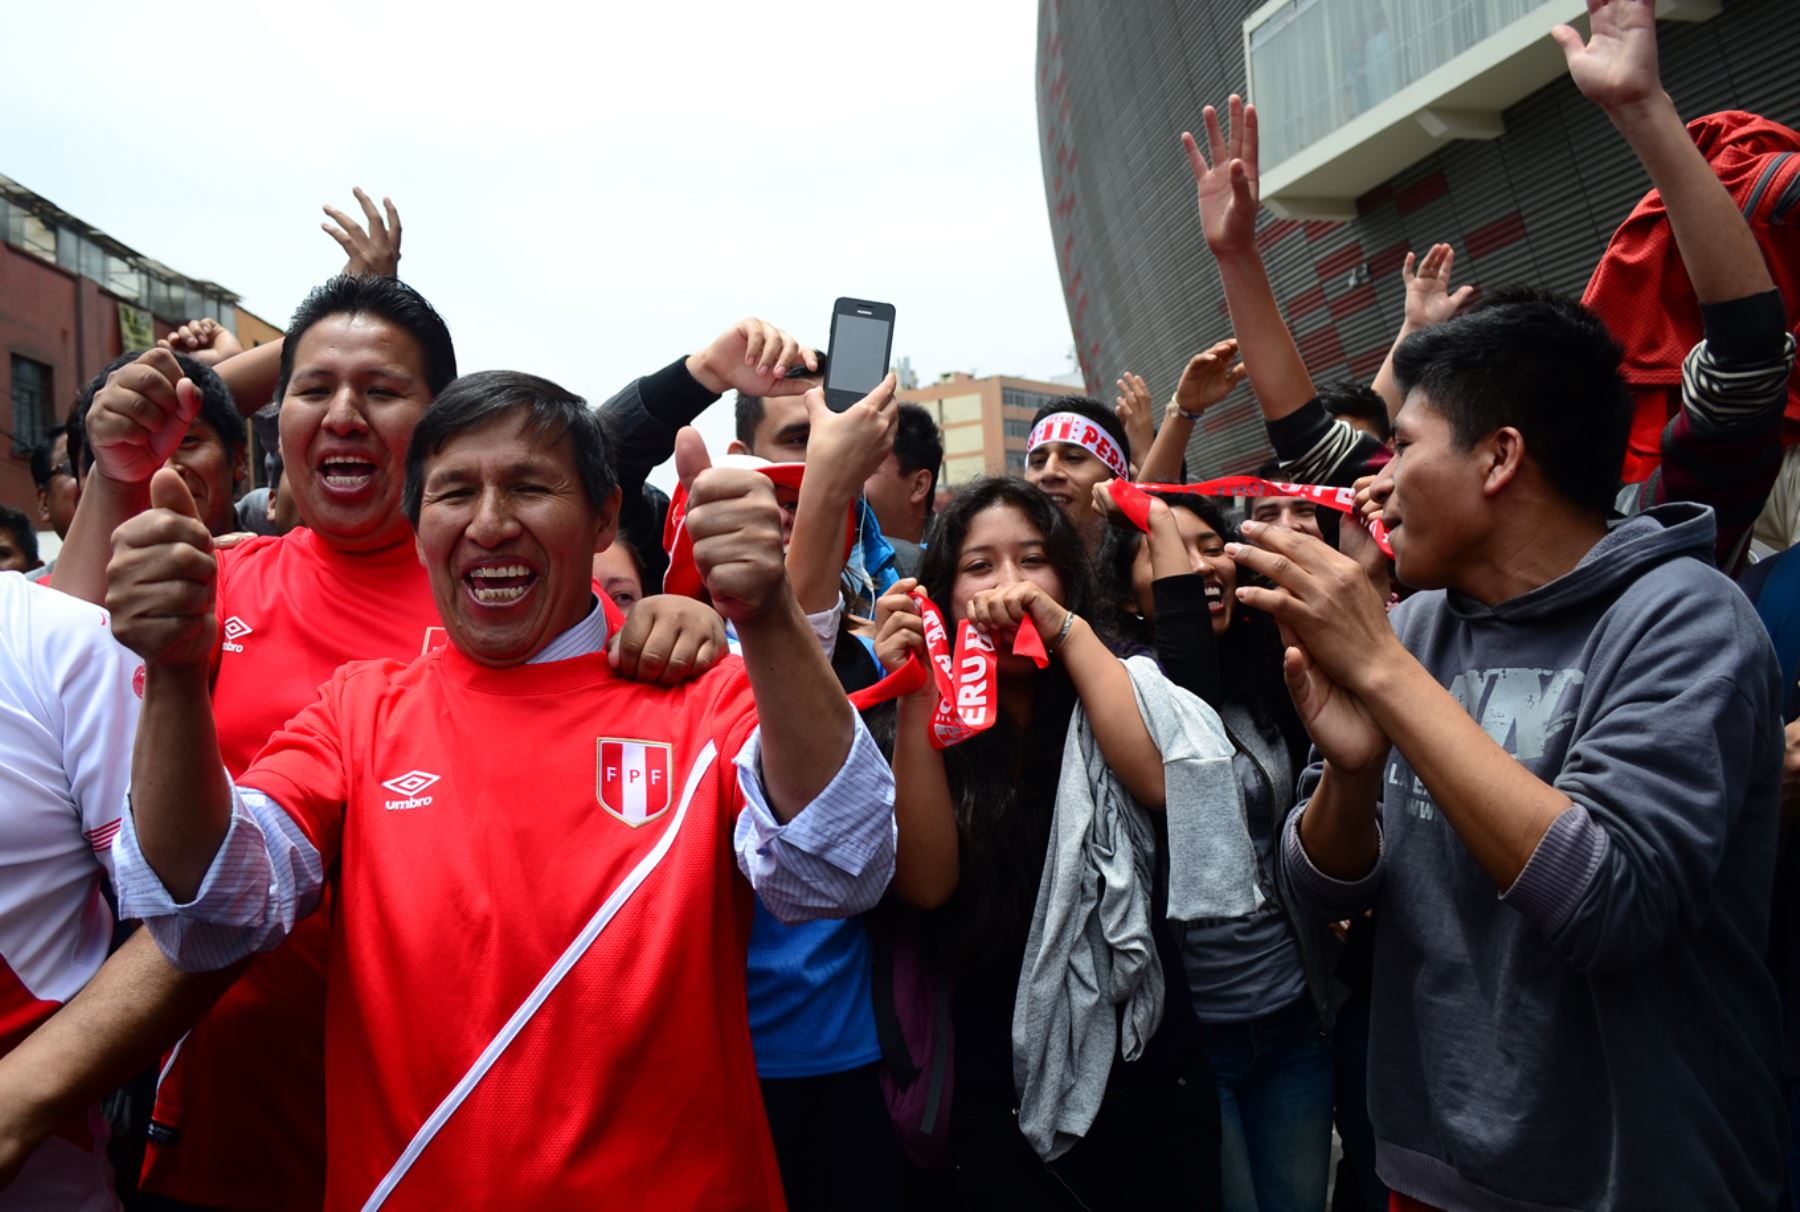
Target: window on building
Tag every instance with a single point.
(30, 403)
(1015, 461)
(32, 234)
(124, 279)
(1017, 429)
(93, 261)
(1018, 397)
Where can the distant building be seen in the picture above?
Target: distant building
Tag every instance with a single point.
(985, 421)
(72, 298)
(1386, 125)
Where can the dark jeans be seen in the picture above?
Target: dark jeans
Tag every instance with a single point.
(1358, 1186)
(1274, 1080)
(834, 1141)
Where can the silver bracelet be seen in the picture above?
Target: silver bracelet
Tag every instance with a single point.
(1062, 633)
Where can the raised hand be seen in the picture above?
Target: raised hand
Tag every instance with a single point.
(736, 527)
(1323, 600)
(753, 357)
(374, 252)
(1429, 299)
(161, 580)
(1617, 67)
(1134, 409)
(139, 417)
(900, 632)
(206, 341)
(849, 446)
(1000, 611)
(1208, 378)
(1227, 185)
(1335, 719)
(1371, 493)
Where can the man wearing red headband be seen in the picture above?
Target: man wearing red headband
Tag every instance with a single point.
(1075, 444)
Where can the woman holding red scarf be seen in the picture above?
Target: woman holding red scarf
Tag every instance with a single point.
(976, 821)
(1262, 983)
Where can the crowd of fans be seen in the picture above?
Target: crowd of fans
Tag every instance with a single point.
(461, 821)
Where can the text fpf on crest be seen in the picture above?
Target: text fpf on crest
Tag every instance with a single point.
(631, 778)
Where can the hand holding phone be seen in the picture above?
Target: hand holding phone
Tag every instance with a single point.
(862, 344)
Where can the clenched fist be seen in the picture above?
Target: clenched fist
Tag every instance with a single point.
(161, 581)
(140, 416)
(736, 528)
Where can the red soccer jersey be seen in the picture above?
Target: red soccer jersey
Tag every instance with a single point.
(536, 990)
(239, 1117)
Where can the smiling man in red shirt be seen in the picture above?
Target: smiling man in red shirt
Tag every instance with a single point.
(237, 1124)
(521, 1010)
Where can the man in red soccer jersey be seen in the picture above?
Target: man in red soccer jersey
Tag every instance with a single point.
(536, 981)
(239, 1125)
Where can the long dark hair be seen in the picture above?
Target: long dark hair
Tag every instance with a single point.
(1250, 651)
(1003, 781)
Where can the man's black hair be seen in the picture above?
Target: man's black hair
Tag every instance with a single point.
(1094, 411)
(41, 455)
(749, 416)
(556, 415)
(918, 444)
(217, 407)
(1541, 363)
(23, 532)
(387, 299)
(1357, 402)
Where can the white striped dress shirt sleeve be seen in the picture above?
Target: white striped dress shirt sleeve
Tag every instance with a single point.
(265, 877)
(835, 858)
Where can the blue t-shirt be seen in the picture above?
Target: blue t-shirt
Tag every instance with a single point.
(811, 1009)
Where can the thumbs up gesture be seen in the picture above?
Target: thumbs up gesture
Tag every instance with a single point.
(162, 577)
(140, 416)
(736, 527)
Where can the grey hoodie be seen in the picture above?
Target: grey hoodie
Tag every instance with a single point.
(1602, 1034)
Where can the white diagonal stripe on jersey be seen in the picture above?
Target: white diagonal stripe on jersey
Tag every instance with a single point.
(545, 987)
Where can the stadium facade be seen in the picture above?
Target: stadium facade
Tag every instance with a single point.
(1388, 125)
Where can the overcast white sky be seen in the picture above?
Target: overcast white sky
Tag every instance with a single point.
(587, 190)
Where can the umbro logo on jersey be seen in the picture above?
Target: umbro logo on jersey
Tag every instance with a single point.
(409, 785)
(632, 779)
(235, 630)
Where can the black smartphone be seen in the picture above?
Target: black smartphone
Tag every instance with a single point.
(862, 344)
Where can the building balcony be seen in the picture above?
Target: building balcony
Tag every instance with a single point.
(1350, 92)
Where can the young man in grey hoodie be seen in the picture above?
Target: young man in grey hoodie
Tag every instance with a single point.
(1556, 775)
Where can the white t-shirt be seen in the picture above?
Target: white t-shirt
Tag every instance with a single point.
(69, 696)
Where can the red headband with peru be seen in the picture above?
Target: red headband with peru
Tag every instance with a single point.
(1078, 430)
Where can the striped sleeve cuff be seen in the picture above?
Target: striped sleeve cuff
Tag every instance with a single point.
(1560, 870)
(1331, 899)
(1740, 372)
(1315, 447)
(265, 876)
(836, 856)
